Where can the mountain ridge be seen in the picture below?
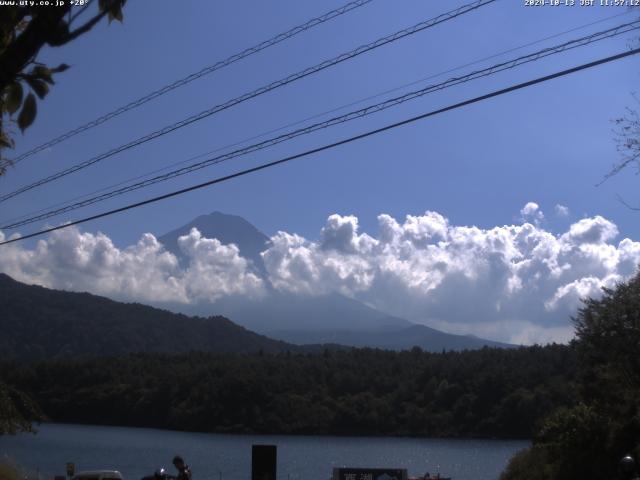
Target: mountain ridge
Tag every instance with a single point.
(421, 336)
(312, 318)
(39, 323)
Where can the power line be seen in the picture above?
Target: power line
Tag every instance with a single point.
(312, 117)
(469, 64)
(371, 109)
(194, 76)
(272, 86)
(345, 141)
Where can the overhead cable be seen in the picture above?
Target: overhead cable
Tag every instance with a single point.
(247, 96)
(193, 76)
(363, 112)
(345, 141)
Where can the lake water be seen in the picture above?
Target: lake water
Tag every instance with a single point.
(137, 452)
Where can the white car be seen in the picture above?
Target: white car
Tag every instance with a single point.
(98, 475)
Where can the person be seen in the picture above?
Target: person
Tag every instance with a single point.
(184, 472)
(160, 474)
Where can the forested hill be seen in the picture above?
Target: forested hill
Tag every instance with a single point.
(488, 392)
(38, 323)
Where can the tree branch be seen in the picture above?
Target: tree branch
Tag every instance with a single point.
(79, 31)
(19, 53)
(618, 168)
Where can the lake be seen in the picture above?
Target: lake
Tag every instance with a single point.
(137, 452)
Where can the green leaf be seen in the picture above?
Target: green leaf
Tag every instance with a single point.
(105, 5)
(42, 72)
(13, 98)
(6, 141)
(60, 68)
(39, 86)
(116, 12)
(28, 112)
(113, 9)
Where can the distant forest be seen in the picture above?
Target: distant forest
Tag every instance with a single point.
(482, 393)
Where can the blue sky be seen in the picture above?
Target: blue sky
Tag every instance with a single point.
(476, 166)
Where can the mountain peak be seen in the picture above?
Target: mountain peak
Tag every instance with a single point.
(228, 229)
(217, 216)
(301, 318)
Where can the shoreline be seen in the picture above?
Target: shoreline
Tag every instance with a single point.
(279, 434)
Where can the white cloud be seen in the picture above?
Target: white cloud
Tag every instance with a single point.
(215, 270)
(515, 283)
(71, 260)
(596, 230)
(561, 210)
(531, 213)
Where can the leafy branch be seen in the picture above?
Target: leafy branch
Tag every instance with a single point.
(24, 30)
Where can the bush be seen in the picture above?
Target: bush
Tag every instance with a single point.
(9, 471)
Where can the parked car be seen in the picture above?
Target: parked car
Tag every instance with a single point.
(98, 475)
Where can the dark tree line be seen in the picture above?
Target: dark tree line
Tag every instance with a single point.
(484, 393)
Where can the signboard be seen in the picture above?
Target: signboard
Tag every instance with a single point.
(369, 474)
(264, 459)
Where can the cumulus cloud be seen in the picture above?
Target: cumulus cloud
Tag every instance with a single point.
(596, 230)
(561, 210)
(531, 213)
(71, 260)
(515, 283)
